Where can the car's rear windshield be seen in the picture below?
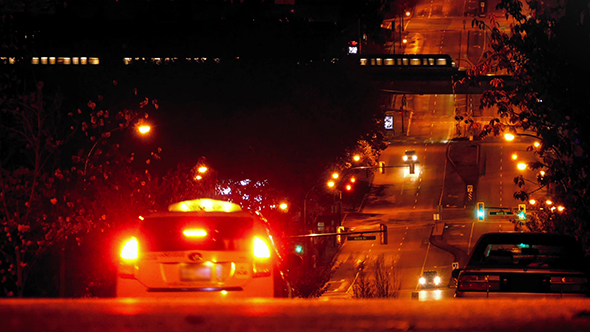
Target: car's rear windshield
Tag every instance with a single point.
(223, 233)
(545, 255)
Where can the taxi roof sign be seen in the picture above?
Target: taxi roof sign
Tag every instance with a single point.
(204, 205)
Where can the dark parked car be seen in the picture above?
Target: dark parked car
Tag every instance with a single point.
(524, 264)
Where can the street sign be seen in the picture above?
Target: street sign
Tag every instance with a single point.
(469, 188)
(501, 213)
(362, 238)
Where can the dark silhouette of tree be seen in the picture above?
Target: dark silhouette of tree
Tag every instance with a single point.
(546, 52)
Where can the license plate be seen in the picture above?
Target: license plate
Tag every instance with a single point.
(195, 272)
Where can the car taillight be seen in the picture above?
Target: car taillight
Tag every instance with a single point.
(194, 233)
(475, 282)
(261, 249)
(262, 265)
(130, 249)
(129, 255)
(569, 284)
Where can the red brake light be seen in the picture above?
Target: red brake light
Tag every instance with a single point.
(130, 249)
(194, 233)
(261, 249)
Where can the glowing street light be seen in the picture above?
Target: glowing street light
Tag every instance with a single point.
(331, 184)
(549, 202)
(560, 208)
(144, 129)
(532, 202)
(509, 137)
(202, 169)
(353, 179)
(283, 206)
(335, 175)
(356, 158)
(537, 145)
(521, 166)
(514, 156)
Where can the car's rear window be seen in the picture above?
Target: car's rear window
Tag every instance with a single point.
(529, 254)
(165, 233)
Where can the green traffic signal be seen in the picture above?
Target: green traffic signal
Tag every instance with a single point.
(299, 249)
(481, 212)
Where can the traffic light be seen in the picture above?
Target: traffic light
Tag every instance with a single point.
(382, 167)
(481, 212)
(298, 249)
(522, 211)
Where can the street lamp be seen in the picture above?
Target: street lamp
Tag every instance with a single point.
(509, 137)
(521, 166)
(144, 129)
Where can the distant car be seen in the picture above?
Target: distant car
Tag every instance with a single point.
(429, 279)
(523, 265)
(201, 248)
(410, 156)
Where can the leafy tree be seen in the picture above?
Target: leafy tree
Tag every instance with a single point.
(546, 52)
(61, 177)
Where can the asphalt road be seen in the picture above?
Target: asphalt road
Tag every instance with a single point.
(293, 315)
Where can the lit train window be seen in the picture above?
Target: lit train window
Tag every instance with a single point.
(43, 60)
(441, 62)
(415, 62)
(431, 61)
(372, 62)
(35, 61)
(389, 62)
(93, 61)
(83, 60)
(379, 61)
(405, 61)
(127, 61)
(363, 62)
(64, 60)
(52, 60)
(75, 60)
